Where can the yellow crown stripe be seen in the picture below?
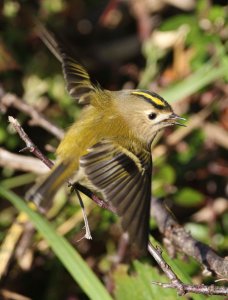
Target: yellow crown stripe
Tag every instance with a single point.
(150, 97)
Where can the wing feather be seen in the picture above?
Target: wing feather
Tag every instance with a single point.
(124, 179)
(139, 224)
(78, 82)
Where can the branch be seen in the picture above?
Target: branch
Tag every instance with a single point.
(21, 162)
(29, 144)
(8, 100)
(98, 201)
(197, 289)
(182, 240)
(177, 284)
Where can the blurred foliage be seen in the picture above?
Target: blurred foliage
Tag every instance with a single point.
(181, 54)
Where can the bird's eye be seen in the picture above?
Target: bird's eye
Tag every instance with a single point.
(152, 116)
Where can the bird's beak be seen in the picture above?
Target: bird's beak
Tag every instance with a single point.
(174, 117)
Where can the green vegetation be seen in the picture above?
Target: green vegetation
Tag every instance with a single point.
(183, 58)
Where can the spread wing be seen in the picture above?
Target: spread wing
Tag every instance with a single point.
(78, 82)
(124, 178)
(77, 79)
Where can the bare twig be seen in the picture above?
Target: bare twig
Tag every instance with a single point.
(30, 146)
(99, 202)
(21, 162)
(8, 100)
(197, 289)
(157, 255)
(177, 284)
(184, 242)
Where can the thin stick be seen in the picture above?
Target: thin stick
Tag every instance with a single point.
(177, 284)
(197, 289)
(184, 242)
(11, 100)
(99, 202)
(21, 162)
(30, 146)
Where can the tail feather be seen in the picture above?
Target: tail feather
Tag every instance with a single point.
(46, 189)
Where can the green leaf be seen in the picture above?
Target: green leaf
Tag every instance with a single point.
(69, 257)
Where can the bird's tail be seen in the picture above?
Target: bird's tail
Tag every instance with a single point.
(43, 192)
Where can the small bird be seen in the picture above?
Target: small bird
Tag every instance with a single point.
(108, 149)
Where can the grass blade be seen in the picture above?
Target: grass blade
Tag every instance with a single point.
(69, 257)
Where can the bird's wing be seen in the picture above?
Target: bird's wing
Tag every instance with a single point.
(78, 82)
(124, 178)
(77, 79)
